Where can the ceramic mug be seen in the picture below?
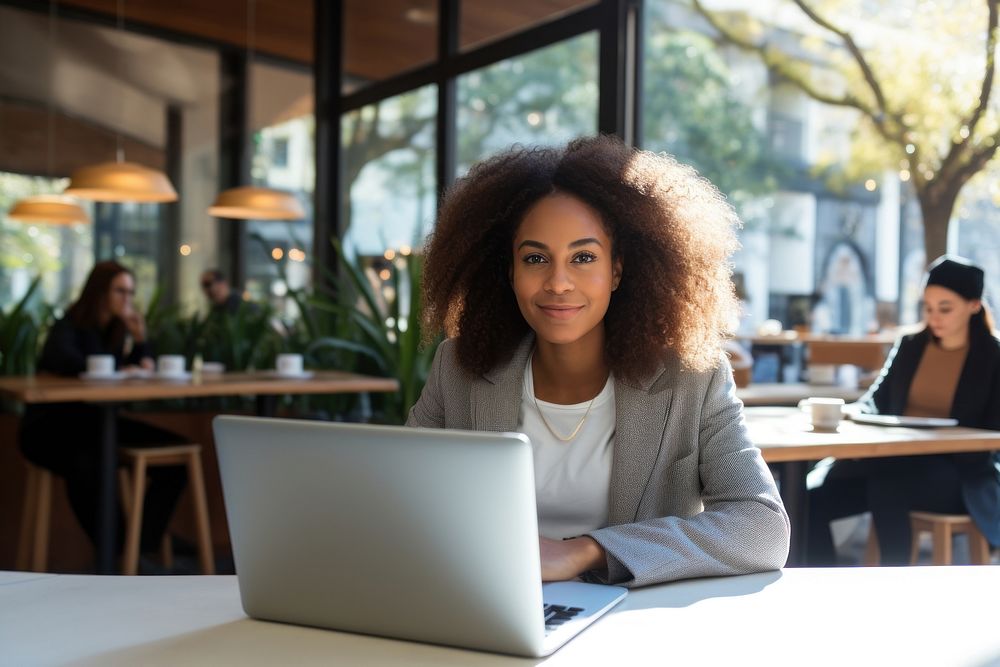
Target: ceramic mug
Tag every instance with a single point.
(289, 364)
(100, 364)
(170, 364)
(824, 413)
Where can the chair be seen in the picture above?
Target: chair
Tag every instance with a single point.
(33, 544)
(135, 487)
(741, 363)
(869, 356)
(942, 528)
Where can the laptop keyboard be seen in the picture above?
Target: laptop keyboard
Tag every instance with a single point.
(556, 615)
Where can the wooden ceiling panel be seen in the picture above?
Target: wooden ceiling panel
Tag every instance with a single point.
(283, 28)
(382, 37)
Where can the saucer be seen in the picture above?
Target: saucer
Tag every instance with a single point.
(184, 375)
(304, 375)
(117, 375)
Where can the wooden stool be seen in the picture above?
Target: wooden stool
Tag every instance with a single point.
(942, 527)
(33, 543)
(135, 488)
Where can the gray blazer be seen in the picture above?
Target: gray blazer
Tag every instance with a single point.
(690, 494)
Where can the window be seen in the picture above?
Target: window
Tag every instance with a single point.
(545, 97)
(388, 153)
(283, 158)
(62, 255)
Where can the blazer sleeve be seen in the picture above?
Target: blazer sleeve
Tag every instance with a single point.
(744, 527)
(428, 411)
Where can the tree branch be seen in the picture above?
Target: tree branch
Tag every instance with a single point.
(859, 57)
(877, 116)
(958, 148)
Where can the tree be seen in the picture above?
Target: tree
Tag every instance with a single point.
(924, 94)
(689, 110)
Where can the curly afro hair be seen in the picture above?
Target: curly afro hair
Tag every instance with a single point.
(672, 229)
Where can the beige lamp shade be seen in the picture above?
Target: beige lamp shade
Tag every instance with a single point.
(253, 203)
(121, 182)
(53, 209)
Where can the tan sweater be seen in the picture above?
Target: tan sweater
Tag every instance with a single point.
(933, 389)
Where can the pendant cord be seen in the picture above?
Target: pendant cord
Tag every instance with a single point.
(119, 149)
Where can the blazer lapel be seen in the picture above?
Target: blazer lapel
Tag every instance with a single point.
(640, 418)
(495, 399)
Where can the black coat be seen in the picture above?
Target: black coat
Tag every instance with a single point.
(976, 405)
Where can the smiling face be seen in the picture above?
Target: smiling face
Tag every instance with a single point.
(564, 271)
(120, 295)
(947, 314)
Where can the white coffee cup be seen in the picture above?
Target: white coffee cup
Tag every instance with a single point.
(288, 364)
(822, 374)
(170, 364)
(100, 364)
(825, 413)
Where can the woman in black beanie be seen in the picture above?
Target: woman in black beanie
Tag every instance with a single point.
(950, 368)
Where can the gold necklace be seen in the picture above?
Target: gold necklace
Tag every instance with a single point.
(579, 425)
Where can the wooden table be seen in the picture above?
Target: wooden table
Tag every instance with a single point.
(108, 394)
(790, 393)
(918, 616)
(786, 438)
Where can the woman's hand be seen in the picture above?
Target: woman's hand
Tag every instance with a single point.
(136, 325)
(566, 559)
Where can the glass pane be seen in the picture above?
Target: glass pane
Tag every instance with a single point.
(544, 97)
(130, 233)
(283, 158)
(61, 254)
(388, 151)
(487, 20)
(386, 38)
(833, 236)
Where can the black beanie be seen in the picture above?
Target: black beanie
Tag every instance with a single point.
(957, 274)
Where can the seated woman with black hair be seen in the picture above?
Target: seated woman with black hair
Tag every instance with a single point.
(950, 368)
(65, 437)
(587, 294)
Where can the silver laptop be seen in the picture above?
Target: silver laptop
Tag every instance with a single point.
(422, 534)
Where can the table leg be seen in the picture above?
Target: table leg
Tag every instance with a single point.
(793, 493)
(267, 405)
(107, 524)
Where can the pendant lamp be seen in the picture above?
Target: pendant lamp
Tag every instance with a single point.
(53, 209)
(255, 202)
(121, 181)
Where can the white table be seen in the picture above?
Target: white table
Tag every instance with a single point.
(787, 440)
(847, 616)
(790, 393)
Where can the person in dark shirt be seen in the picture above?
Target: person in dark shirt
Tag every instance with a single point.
(221, 296)
(65, 437)
(949, 368)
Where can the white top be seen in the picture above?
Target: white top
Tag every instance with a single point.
(879, 615)
(572, 479)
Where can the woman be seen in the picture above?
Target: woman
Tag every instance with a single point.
(587, 293)
(65, 437)
(950, 368)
